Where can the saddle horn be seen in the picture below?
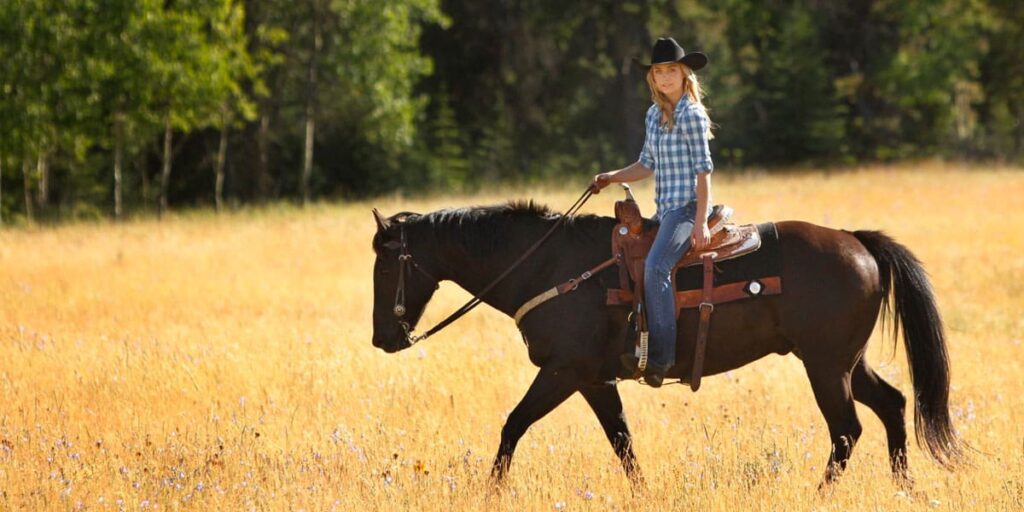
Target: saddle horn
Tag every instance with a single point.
(629, 192)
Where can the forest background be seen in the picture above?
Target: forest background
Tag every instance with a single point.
(114, 108)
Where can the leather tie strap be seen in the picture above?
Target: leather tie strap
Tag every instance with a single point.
(706, 308)
(563, 288)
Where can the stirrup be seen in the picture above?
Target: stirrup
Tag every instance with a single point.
(642, 351)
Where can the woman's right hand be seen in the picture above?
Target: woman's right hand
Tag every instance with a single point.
(600, 181)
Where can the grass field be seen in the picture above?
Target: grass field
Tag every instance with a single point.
(224, 363)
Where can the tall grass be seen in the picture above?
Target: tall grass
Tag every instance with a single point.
(224, 362)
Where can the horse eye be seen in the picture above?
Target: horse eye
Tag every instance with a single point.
(393, 245)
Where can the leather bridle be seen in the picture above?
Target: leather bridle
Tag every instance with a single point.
(405, 264)
(405, 260)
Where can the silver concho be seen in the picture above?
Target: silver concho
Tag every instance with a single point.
(754, 287)
(623, 230)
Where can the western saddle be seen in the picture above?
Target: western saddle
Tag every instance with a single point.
(630, 244)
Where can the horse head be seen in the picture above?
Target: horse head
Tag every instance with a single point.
(403, 279)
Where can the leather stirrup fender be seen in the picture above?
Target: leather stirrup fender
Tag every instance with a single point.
(706, 308)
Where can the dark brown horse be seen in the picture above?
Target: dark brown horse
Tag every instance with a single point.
(835, 284)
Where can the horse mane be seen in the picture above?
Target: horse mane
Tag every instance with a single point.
(483, 229)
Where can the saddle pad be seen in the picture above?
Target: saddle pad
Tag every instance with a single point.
(764, 262)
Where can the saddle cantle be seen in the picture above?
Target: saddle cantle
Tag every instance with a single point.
(631, 241)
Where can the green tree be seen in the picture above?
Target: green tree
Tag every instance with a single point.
(1001, 112)
(344, 73)
(448, 166)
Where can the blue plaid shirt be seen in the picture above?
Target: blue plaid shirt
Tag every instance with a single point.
(676, 156)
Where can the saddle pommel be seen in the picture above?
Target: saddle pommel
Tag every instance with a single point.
(628, 213)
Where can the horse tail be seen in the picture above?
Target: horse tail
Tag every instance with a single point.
(912, 305)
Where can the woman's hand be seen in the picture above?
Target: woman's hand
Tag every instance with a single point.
(600, 181)
(701, 236)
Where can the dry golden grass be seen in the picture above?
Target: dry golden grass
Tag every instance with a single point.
(225, 363)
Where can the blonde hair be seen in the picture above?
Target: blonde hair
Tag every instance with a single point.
(691, 88)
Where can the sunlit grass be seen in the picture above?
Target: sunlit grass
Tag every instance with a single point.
(224, 362)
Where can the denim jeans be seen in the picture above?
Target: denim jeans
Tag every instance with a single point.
(672, 242)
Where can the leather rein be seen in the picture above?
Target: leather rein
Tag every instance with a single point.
(405, 260)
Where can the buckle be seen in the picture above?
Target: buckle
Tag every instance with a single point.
(709, 307)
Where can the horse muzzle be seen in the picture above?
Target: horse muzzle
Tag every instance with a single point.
(391, 344)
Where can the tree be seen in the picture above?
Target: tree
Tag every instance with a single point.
(448, 167)
(1001, 112)
(346, 72)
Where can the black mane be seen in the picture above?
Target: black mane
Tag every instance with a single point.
(483, 229)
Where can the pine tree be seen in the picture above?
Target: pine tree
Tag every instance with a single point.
(448, 168)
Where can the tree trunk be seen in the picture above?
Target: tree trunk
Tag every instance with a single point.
(26, 166)
(118, 159)
(1018, 129)
(222, 149)
(165, 168)
(307, 160)
(43, 169)
(1, 190)
(263, 166)
(140, 164)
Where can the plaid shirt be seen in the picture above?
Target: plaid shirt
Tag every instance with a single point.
(676, 156)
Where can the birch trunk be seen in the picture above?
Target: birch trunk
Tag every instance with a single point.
(140, 164)
(43, 170)
(263, 170)
(222, 150)
(165, 168)
(307, 160)
(118, 160)
(26, 166)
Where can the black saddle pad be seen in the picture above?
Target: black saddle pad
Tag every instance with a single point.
(764, 262)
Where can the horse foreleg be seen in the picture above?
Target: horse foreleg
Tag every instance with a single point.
(549, 389)
(604, 400)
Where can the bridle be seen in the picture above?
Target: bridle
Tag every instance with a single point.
(405, 260)
(405, 265)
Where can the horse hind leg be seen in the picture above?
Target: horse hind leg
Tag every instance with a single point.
(607, 405)
(834, 396)
(890, 405)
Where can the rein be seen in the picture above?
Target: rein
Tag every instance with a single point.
(405, 259)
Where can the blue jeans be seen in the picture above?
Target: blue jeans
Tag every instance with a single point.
(672, 242)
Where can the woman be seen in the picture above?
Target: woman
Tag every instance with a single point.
(676, 153)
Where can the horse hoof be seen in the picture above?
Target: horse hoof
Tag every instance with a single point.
(904, 482)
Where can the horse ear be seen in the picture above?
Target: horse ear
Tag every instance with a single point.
(382, 223)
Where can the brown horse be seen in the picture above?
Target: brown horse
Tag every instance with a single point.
(835, 282)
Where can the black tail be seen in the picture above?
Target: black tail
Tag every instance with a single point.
(923, 336)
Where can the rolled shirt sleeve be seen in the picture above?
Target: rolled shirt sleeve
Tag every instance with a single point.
(695, 133)
(647, 154)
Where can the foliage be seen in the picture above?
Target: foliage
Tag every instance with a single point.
(423, 93)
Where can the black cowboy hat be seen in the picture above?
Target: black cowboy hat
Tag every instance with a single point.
(667, 50)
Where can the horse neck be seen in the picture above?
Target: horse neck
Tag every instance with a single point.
(474, 270)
